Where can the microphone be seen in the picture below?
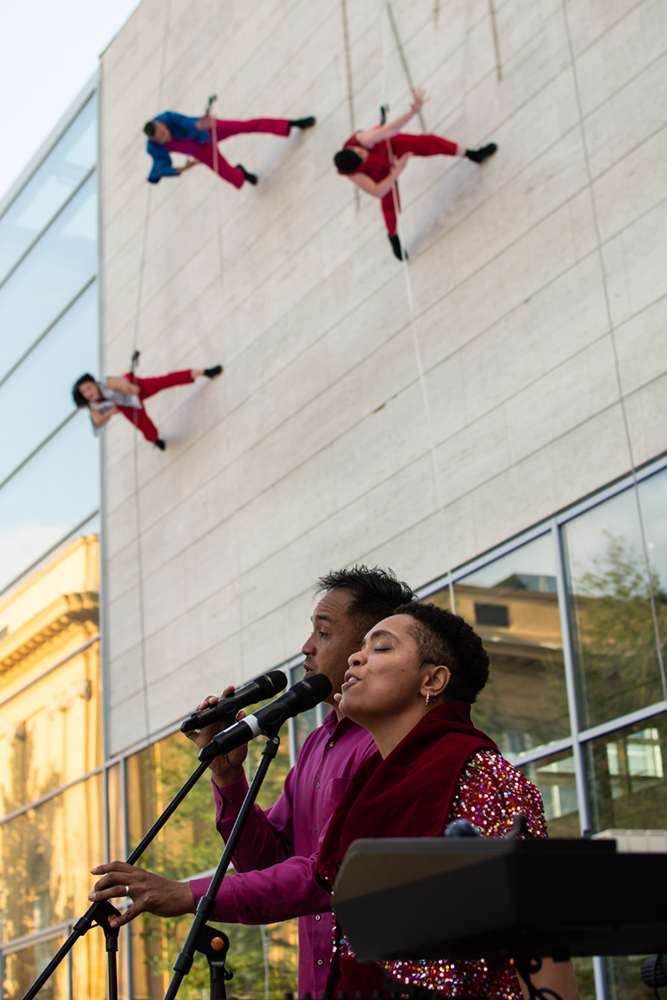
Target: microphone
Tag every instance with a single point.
(300, 697)
(228, 708)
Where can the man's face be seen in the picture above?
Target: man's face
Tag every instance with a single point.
(334, 638)
(89, 391)
(162, 133)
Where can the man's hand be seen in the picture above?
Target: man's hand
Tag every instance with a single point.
(227, 768)
(150, 893)
(190, 162)
(401, 163)
(419, 99)
(206, 121)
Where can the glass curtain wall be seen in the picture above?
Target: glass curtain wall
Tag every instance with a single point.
(52, 785)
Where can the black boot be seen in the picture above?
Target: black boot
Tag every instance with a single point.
(396, 247)
(212, 372)
(251, 178)
(160, 444)
(479, 155)
(303, 122)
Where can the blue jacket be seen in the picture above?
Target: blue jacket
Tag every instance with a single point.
(181, 127)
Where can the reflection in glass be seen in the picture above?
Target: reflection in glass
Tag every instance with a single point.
(623, 979)
(626, 777)
(59, 265)
(47, 853)
(39, 389)
(48, 498)
(512, 603)
(189, 845)
(556, 779)
(614, 636)
(49, 187)
(23, 967)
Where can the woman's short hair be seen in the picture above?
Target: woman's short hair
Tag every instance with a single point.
(347, 161)
(445, 638)
(76, 393)
(149, 129)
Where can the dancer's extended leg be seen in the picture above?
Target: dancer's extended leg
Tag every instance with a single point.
(149, 386)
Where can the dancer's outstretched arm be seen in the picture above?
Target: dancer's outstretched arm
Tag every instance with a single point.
(122, 385)
(372, 136)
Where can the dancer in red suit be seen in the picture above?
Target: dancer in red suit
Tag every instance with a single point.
(374, 159)
(126, 395)
(198, 138)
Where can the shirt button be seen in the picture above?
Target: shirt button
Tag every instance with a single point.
(320, 961)
(317, 916)
(314, 829)
(332, 744)
(317, 785)
(230, 801)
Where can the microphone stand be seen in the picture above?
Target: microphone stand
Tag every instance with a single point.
(199, 933)
(103, 911)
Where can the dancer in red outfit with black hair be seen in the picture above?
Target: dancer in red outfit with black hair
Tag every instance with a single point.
(374, 159)
(126, 395)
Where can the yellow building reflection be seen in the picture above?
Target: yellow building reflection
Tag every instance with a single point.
(51, 821)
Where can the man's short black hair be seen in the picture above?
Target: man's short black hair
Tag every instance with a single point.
(149, 129)
(445, 638)
(347, 161)
(375, 592)
(78, 398)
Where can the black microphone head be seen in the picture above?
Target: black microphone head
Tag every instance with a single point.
(319, 685)
(271, 683)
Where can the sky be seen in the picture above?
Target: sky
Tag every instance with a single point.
(48, 50)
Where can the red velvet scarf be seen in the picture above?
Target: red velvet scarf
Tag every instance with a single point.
(409, 794)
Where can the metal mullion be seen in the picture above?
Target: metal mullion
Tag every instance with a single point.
(570, 676)
(35, 451)
(622, 721)
(125, 827)
(538, 753)
(45, 229)
(497, 553)
(47, 329)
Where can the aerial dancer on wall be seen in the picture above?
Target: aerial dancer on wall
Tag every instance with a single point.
(171, 132)
(126, 395)
(374, 159)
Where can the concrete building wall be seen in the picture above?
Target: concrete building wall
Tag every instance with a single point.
(538, 283)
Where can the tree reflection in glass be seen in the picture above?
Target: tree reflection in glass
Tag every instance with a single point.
(513, 604)
(612, 622)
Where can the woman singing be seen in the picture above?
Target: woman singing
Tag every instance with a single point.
(411, 686)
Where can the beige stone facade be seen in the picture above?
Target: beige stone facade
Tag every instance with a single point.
(539, 293)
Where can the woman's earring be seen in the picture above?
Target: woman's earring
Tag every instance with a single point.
(428, 697)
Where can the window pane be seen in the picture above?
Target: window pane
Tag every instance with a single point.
(556, 780)
(23, 967)
(614, 638)
(190, 844)
(49, 187)
(47, 854)
(48, 497)
(53, 272)
(626, 777)
(623, 978)
(512, 603)
(44, 378)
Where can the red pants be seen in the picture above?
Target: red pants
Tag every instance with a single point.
(148, 387)
(207, 152)
(419, 145)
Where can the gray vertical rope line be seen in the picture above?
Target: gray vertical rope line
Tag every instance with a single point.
(404, 62)
(135, 337)
(617, 365)
(496, 39)
(350, 86)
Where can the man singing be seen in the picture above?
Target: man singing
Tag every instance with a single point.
(198, 138)
(374, 159)
(279, 847)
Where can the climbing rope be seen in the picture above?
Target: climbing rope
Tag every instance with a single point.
(440, 502)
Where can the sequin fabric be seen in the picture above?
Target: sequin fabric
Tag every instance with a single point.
(490, 794)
